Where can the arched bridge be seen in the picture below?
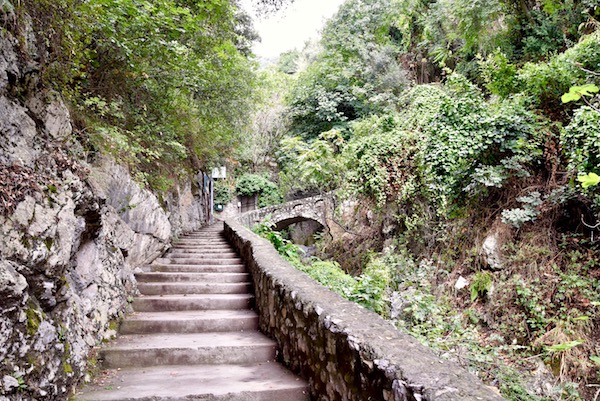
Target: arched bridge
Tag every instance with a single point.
(317, 208)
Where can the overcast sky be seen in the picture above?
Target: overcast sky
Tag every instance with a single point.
(292, 27)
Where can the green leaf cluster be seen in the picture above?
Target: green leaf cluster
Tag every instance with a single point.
(259, 184)
(370, 289)
(310, 167)
(357, 72)
(165, 86)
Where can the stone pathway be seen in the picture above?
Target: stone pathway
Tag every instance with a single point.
(193, 335)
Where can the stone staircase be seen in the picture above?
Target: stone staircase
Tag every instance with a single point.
(193, 335)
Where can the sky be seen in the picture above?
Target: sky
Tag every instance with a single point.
(291, 27)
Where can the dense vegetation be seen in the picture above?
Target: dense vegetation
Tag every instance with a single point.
(164, 86)
(462, 140)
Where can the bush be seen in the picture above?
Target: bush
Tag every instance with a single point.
(581, 141)
(545, 83)
(222, 193)
(258, 184)
(381, 165)
(499, 74)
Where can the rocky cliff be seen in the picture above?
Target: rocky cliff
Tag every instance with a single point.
(71, 232)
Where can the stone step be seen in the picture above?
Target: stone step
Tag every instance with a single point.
(199, 261)
(172, 277)
(256, 382)
(208, 268)
(200, 241)
(189, 322)
(201, 250)
(163, 303)
(202, 247)
(194, 288)
(203, 235)
(202, 255)
(188, 349)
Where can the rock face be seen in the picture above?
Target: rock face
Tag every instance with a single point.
(71, 235)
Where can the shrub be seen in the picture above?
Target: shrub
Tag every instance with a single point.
(222, 193)
(499, 74)
(267, 191)
(545, 83)
(581, 141)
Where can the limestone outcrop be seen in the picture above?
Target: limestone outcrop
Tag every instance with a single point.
(71, 233)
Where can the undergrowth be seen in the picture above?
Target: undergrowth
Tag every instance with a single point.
(371, 289)
(529, 334)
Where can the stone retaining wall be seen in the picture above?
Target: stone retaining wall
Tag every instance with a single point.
(345, 351)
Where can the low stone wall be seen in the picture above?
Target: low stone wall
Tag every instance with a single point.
(345, 351)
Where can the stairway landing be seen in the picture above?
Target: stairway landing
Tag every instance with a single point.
(193, 334)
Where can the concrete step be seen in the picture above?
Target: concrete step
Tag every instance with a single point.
(188, 349)
(198, 251)
(156, 277)
(200, 246)
(189, 322)
(199, 261)
(203, 235)
(200, 241)
(208, 268)
(194, 288)
(163, 303)
(256, 382)
(202, 255)
(203, 250)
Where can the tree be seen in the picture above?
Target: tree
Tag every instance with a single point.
(357, 72)
(165, 86)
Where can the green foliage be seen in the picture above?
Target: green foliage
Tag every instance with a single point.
(258, 184)
(311, 166)
(499, 74)
(481, 285)
(380, 160)
(358, 71)
(369, 290)
(373, 286)
(577, 92)
(512, 386)
(545, 83)
(588, 180)
(563, 347)
(163, 86)
(529, 212)
(269, 122)
(288, 62)
(222, 192)
(581, 141)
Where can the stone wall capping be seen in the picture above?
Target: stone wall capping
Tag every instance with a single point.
(345, 351)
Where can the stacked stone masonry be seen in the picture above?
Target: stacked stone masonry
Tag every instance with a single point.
(345, 351)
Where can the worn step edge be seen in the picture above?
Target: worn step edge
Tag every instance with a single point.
(188, 349)
(201, 255)
(165, 303)
(194, 288)
(215, 261)
(256, 382)
(189, 322)
(216, 268)
(178, 277)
